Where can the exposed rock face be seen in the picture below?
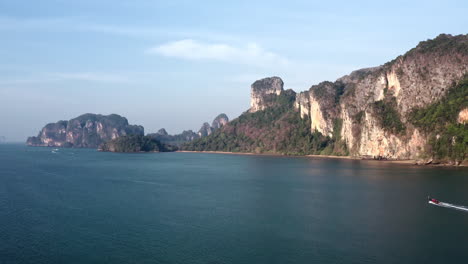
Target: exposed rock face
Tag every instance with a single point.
(205, 130)
(463, 116)
(220, 121)
(189, 135)
(420, 77)
(162, 132)
(263, 93)
(302, 104)
(85, 131)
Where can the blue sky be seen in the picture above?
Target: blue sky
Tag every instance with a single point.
(176, 64)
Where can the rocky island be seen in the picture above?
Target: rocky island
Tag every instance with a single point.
(85, 131)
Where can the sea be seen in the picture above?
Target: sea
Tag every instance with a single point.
(85, 206)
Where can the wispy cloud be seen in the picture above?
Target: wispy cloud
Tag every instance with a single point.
(82, 24)
(72, 24)
(93, 77)
(189, 49)
(67, 76)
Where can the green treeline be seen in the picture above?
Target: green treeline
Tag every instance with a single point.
(136, 143)
(277, 129)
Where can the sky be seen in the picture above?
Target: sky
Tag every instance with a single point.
(176, 64)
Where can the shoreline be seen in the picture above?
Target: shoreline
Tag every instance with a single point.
(405, 162)
(412, 162)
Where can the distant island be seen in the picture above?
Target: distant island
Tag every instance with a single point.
(113, 133)
(85, 131)
(413, 107)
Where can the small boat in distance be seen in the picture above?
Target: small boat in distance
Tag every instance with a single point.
(433, 201)
(446, 205)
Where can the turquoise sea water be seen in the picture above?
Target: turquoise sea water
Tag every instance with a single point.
(84, 206)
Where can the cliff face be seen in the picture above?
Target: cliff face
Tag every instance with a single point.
(375, 104)
(217, 123)
(85, 131)
(263, 93)
(205, 130)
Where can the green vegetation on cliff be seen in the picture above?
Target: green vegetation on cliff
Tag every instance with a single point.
(443, 43)
(448, 139)
(389, 118)
(278, 129)
(135, 143)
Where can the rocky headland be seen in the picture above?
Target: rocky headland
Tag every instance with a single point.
(413, 107)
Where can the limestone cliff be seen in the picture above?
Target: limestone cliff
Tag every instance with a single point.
(375, 103)
(85, 131)
(205, 130)
(302, 104)
(220, 121)
(217, 123)
(263, 93)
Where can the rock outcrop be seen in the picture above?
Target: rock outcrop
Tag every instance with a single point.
(220, 121)
(85, 131)
(162, 132)
(263, 93)
(189, 135)
(205, 130)
(302, 104)
(463, 116)
(217, 123)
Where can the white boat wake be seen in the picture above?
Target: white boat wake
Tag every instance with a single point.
(447, 205)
